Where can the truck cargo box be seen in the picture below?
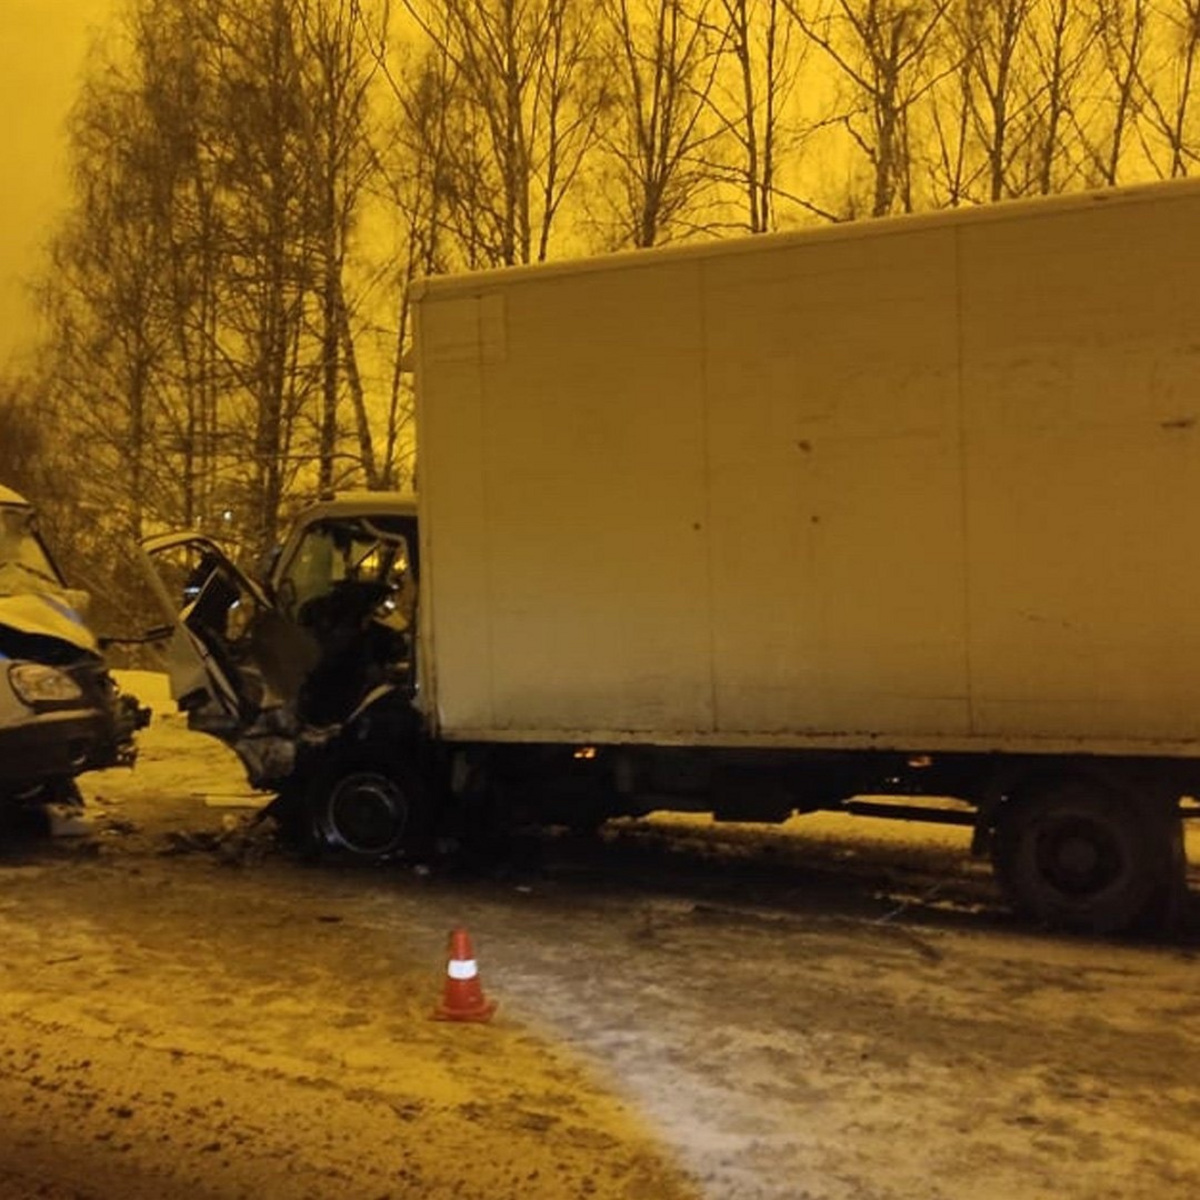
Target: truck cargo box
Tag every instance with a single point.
(926, 483)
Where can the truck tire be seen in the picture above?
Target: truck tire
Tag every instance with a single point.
(1077, 855)
(365, 812)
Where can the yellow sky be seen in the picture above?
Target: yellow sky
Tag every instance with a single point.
(43, 44)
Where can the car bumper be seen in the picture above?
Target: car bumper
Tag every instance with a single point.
(40, 746)
(51, 745)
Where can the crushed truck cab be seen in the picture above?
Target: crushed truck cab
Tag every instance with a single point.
(307, 673)
(61, 713)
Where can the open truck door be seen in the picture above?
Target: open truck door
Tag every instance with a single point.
(225, 639)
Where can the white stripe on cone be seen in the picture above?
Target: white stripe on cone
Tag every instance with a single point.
(462, 968)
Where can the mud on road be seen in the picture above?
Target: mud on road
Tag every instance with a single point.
(684, 1011)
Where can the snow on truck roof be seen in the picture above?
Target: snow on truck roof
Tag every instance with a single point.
(863, 228)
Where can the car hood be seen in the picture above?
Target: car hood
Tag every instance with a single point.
(42, 614)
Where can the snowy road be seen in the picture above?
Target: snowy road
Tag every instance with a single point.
(684, 1012)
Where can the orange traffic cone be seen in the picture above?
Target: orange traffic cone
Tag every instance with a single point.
(463, 998)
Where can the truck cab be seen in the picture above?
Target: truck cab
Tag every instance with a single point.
(307, 669)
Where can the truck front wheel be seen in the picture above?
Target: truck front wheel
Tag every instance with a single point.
(365, 812)
(1077, 855)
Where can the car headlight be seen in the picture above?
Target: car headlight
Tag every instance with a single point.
(35, 683)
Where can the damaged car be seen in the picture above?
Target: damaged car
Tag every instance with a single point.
(307, 672)
(61, 712)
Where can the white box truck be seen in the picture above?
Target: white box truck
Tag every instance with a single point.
(903, 507)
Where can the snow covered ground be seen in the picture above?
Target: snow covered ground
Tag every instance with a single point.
(187, 1011)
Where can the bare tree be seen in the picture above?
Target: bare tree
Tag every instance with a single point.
(271, 253)
(1027, 84)
(1167, 83)
(423, 178)
(656, 141)
(986, 112)
(102, 302)
(954, 167)
(525, 102)
(1122, 33)
(203, 320)
(767, 57)
(336, 73)
(1062, 42)
(423, 189)
(293, 138)
(175, 166)
(882, 50)
(995, 35)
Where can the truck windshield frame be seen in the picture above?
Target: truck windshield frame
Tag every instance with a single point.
(343, 550)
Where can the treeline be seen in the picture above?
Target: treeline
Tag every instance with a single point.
(256, 183)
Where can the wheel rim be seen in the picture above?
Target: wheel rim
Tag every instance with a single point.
(366, 814)
(1079, 857)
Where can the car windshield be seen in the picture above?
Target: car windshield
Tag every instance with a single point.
(24, 563)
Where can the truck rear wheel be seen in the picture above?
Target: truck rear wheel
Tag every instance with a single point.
(1078, 855)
